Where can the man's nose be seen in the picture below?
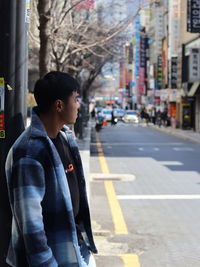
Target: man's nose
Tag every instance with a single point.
(78, 105)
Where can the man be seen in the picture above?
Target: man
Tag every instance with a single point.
(51, 222)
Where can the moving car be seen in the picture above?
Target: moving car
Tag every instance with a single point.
(119, 113)
(131, 116)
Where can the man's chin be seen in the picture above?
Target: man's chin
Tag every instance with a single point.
(71, 122)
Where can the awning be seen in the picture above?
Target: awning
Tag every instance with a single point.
(193, 89)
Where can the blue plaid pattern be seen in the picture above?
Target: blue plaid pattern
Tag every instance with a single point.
(43, 227)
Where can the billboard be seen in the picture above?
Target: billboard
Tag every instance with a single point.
(193, 16)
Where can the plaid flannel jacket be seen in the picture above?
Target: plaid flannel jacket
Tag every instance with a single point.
(43, 227)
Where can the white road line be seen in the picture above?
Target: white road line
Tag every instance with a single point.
(172, 163)
(183, 149)
(156, 148)
(141, 148)
(152, 197)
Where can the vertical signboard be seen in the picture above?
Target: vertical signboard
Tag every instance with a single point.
(2, 104)
(141, 80)
(193, 16)
(174, 72)
(137, 46)
(174, 27)
(159, 72)
(194, 65)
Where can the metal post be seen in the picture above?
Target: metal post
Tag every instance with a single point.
(13, 58)
(21, 58)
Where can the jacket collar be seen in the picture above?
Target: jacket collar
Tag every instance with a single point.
(37, 127)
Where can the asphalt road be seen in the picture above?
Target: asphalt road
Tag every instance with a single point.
(156, 178)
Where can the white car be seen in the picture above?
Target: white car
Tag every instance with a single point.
(131, 116)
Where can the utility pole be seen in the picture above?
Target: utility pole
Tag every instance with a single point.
(13, 73)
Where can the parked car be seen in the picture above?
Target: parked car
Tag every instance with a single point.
(119, 113)
(131, 116)
(107, 114)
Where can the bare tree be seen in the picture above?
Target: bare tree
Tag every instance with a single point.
(77, 41)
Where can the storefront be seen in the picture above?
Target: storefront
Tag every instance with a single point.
(191, 84)
(188, 113)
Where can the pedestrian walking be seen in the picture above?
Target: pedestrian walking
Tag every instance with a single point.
(153, 115)
(164, 117)
(144, 116)
(113, 122)
(51, 220)
(158, 118)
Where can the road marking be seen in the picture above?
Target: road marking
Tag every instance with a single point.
(141, 148)
(117, 215)
(151, 197)
(138, 144)
(118, 219)
(130, 260)
(172, 163)
(156, 148)
(183, 149)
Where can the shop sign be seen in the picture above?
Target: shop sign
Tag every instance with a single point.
(157, 93)
(152, 83)
(172, 95)
(137, 45)
(194, 65)
(156, 99)
(150, 93)
(193, 16)
(159, 72)
(174, 26)
(2, 107)
(164, 95)
(174, 72)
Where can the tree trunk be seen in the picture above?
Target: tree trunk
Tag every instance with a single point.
(44, 34)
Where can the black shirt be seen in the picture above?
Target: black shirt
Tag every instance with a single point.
(63, 149)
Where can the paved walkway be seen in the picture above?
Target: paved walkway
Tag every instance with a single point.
(185, 134)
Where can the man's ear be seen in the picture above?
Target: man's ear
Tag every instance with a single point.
(58, 105)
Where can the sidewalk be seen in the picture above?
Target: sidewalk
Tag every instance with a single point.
(189, 135)
(84, 148)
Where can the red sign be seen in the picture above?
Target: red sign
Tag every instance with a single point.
(110, 102)
(141, 82)
(121, 80)
(84, 4)
(2, 126)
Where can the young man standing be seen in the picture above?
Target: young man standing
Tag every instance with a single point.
(51, 221)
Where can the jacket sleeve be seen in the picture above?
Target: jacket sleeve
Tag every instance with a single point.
(28, 188)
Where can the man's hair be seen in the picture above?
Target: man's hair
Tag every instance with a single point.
(53, 86)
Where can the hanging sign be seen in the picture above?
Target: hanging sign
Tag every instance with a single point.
(2, 102)
(193, 16)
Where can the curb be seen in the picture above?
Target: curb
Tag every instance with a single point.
(174, 133)
(84, 149)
